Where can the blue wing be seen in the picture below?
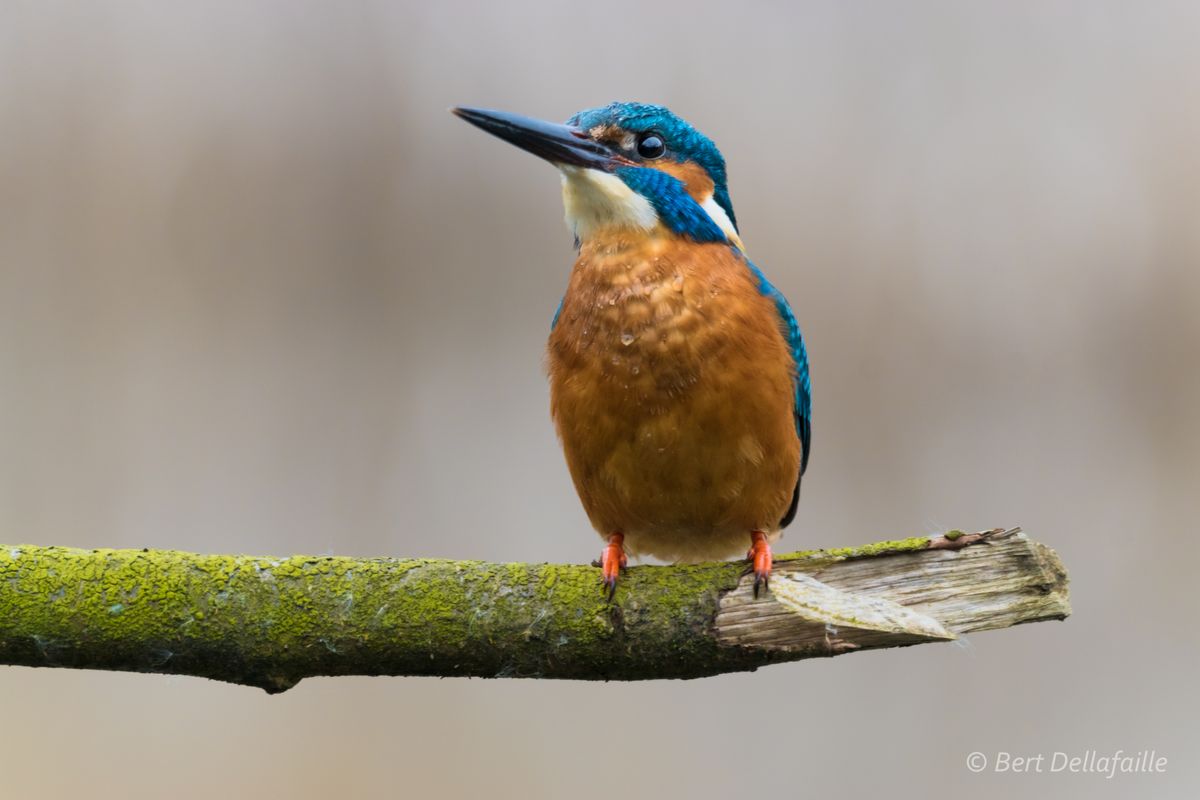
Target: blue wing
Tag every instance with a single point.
(557, 312)
(803, 383)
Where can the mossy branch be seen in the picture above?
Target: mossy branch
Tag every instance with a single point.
(270, 622)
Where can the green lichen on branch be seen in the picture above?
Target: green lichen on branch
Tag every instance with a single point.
(268, 622)
(271, 622)
(911, 544)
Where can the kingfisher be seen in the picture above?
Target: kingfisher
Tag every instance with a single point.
(679, 379)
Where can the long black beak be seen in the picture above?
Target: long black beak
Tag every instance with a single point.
(558, 144)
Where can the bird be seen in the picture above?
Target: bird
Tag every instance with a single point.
(679, 378)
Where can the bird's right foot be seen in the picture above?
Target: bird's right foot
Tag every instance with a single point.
(760, 560)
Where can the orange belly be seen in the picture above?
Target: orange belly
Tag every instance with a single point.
(671, 388)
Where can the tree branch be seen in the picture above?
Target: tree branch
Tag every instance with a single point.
(272, 622)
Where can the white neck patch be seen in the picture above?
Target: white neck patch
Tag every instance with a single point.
(594, 200)
(718, 215)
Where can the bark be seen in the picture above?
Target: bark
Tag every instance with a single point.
(271, 622)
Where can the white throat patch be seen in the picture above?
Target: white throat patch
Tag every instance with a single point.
(594, 200)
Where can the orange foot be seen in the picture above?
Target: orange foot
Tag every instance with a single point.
(612, 561)
(760, 560)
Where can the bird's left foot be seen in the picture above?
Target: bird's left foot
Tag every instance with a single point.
(759, 557)
(612, 561)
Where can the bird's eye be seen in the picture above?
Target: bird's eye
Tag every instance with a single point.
(651, 145)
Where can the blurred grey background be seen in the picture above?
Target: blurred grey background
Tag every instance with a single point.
(260, 293)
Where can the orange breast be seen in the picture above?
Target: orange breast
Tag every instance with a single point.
(671, 388)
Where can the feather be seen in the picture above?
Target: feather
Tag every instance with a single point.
(803, 381)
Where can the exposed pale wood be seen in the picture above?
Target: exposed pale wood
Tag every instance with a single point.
(1004, 580)
(272, 622)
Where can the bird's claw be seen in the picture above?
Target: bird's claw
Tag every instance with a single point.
(759, 557)
(612, 561)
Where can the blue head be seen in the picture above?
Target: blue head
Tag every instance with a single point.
(628, 165)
